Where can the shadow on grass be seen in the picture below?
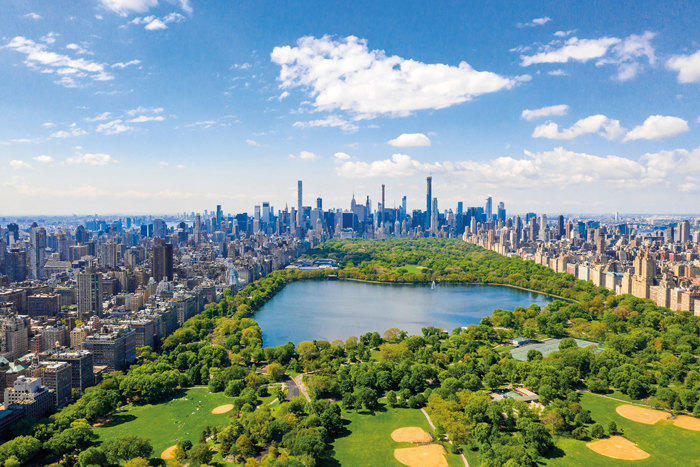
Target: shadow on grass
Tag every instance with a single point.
(118, 419)
(555, 453)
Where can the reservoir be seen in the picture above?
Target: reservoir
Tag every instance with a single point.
(328, 310)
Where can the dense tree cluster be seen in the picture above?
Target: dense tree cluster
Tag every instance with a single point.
(647, 353)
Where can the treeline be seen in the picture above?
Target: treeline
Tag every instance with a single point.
(449, 261)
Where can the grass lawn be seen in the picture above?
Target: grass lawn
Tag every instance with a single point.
(667, 444)
(413, 269)
(368, 441)
(168, 422)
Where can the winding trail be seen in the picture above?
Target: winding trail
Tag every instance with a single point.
(430, 422)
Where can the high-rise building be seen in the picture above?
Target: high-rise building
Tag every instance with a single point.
(300, 210)
(108, 254)
(319, 203)
(14, 336)
(434, 216)
(57, 376)
(381, 216)
(162, 261)
(113, 348)
(81, 363)
(429, 202)
(684, 232)
(89, 293)
(488, 209)
(501, 214)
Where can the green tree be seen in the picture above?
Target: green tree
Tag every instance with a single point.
(200, 454)
(597, 431)
(92, 456)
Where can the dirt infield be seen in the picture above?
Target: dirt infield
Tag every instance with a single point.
(169, 453)
(641, 415)
(689, 423)
(222, 409)
(429, 455)
(618, 447)
(411, 434)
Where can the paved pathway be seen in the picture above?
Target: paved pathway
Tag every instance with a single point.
(430, 422)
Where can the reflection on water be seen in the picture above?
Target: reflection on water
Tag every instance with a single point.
(309, 310)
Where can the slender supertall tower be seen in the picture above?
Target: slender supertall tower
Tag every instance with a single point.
(300, 211)
(429, 197)
(381, 219)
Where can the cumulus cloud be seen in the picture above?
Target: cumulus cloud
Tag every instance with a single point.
(407, 140)
(91, 159)
(147, 118)
(549, 111)
(658, 127)
(557, 72)
(19, 165)
(32, 15)
(113, 128)
(144, 110)
(251, 142)
(558, 167)
(304, 155)
(73, 130)
(153, 23)
(70, 71)
(535, 22)
(345, 75)
(330, 121)
(99, 118)
(43, 159)
(687, 66)
(340, 157)
(399, 165)
(125, 7)
(626, 54)
(600, 124)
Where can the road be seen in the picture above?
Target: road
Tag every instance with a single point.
(292, 388)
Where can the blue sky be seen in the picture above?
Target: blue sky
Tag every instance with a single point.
(152, 106)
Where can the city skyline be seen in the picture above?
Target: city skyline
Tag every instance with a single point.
(144, 107)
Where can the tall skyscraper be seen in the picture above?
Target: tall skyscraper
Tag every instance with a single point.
(162, 261)
(319, 203)
(488, 209)
(501, 215)
(684, 232)
(429, 201)
(89, 293)
(300, 211)
(460, 207)
(381, 216)
(403, 207)
(434, 216)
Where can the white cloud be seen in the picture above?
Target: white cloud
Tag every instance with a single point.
(535, 22)
(124, 7)
(658, 127)
(283, 96)
(113, 128)
(574, 49)
(330, 121)
(99, 118)
(144, 110)
(345, 75)
(626, 54)
(155, 25)
(185, 6)
(70, 70)
(77, 48)
(126, 64)
(251, 142)
(557, 72)
(19, 165)
(147, 118)
(687, 66)
(400, 165)
(44, 159)
(91, 159)
(48, 124)
(32, 15)
(600, 124)
(73, 130)
(180, 166)
(408, 140)
(564, 33)
(304, 155)
(548, 111)
(340, 157)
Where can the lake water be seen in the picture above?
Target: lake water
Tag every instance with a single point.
(328, 310)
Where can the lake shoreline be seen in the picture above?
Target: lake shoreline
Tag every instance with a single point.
(571, 300)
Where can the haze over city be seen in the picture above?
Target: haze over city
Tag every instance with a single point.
(142, 106)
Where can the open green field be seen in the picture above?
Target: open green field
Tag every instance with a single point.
(183, 417)
(413, 269)
(369, 442)
(667, 444)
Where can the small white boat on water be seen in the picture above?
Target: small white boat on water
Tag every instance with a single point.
(432, 285)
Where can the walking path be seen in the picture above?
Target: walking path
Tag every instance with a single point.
(430, 422)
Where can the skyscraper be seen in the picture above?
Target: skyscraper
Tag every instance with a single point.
(162, 261)
(488, 209)
(434, 216)
(429, 198)
(300, 211)
(89, 293)
(501, 212)
(381, 216)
